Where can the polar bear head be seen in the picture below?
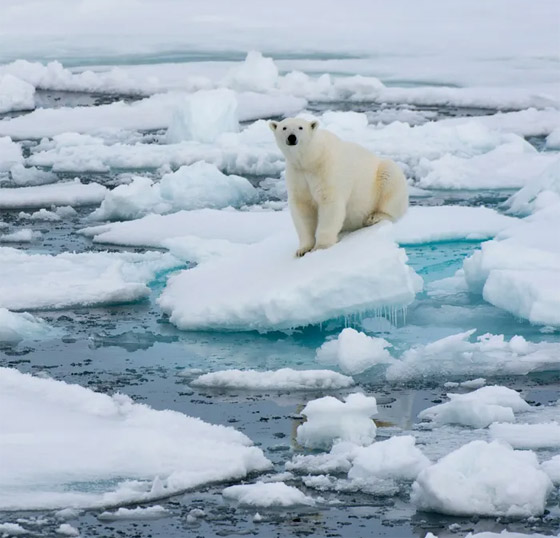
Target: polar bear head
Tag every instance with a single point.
(293, 135)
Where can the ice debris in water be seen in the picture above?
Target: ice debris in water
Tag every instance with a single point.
(15, 327)
(330, 420)
(15, 94)
(266, 495)
(533, 436)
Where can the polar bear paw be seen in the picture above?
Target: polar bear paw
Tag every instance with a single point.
(302, 251)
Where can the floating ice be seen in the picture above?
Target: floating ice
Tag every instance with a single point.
(10, 153)
(15, 94)
(267, 495)
(105, 451)
(24, 235)
(552, 469)
(139, 513)
(204, 116)
(553, 139)
(264, 287)
(39, 281)
(41, 215)
(490, 355)
(27, 177)
(338, 460)
(191, 187)
(531, 436)
(397, 458)
(483, 479)
(15, 327)
(256, 73)
(12, 529)
(479, 408)
(72, 193)
(354, 352)
(330, 420)
(283, 379)
(65, 529)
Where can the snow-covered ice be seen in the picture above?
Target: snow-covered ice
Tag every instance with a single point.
(552, 468)
(264, 287)
(330, 420)
(354, 352)
(532, 436)
(23, 176)
(10, 153)
(23, 235)
(132, 452)
(139, 513)
(190, 187)
(15, 327)
(267, 495)
(483, 479)
(283, 379)
(39, 281)
(15, 94)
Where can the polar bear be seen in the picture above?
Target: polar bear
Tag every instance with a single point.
(334, 185)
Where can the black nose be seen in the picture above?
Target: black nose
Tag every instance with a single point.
(291, 140)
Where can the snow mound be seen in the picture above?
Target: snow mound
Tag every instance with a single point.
(483, 479)
(15, 327)
(256, 73)
(479, 408)
(354, 352)
(491, 354)
(196, 186)
(531, 436)
(72, 193)
(397, 458)
(40, 281)
(330, 420)
(204, 116)
(267, 495)
(105, 451)
(283, 379)
(264, 287)
(15, 94)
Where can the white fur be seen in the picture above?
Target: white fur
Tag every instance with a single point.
(334, 185)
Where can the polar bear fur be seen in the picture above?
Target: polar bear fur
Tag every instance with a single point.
(334, 185)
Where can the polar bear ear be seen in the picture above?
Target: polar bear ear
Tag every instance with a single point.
(273, 125)
(314, 125)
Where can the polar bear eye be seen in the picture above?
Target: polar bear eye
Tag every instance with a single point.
(284, 128)
(301, 128)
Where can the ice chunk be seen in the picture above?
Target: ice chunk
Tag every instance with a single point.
(256, 73)
(10, 153)
(25, 235)
(330, 420)
(528, 435)
(553, 139)
(105, 450)
(264, 287)
(479, 408)
(483, 479)
(552, 469)
(39, 281)
(12, 529)
(204, 116)
(354, 352)
(41, 215)
(26, 177)
(283, 379)
(490, 355)
(139, 513)
(397, 458)
(15, 94)
(191, 187)
(15, 327)
(65, 529)
(73, 193)
(267, 495)
(338, 460)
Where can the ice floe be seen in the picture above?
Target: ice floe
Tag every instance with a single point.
(267, 495)
(15, 327)
(533, 436)
(43, 281)
(483, 479)
(10, 153)
(15, 94)
(131, 452)
(23, 235)
(283, 379)
(330, 420)
(139, 513)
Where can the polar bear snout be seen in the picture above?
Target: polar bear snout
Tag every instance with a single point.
(291, 140)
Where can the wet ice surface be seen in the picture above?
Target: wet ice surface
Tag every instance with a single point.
(134, 349)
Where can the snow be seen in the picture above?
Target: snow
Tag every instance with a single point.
(553, 139)
(478, 409)
(131, 452)
(15, 94)
(204, 116)
(15, 327)
(256, 73)
(39, 281)
(491, 354)
(278, 291)
(283, 379)
(533, 436)
(191, 187)
(397, 458)
(330, 420)
(483, 479)
(139, 513)
(65, 529)
(552, 469)
(354, 352)
(73, 193)
(24, 235)
(10, 153)
(267, 495)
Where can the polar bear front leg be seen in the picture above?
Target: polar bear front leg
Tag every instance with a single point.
(304, 215)
(331, 217)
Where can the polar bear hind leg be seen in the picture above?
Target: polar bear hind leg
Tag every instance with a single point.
(392, 194)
